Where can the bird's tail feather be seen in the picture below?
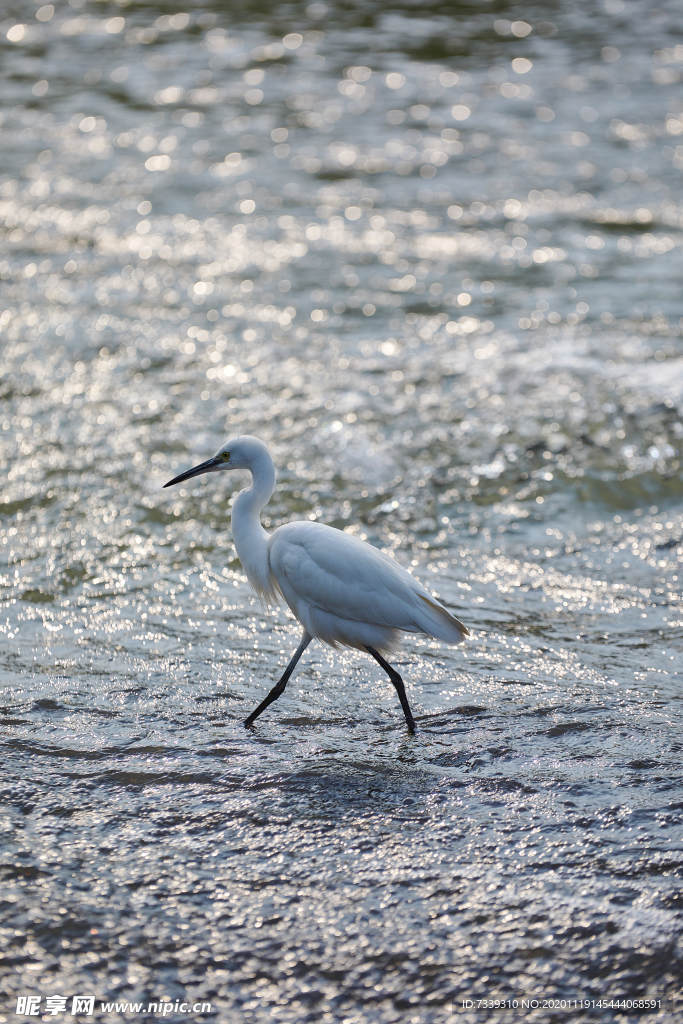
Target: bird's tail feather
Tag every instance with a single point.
(438, 621)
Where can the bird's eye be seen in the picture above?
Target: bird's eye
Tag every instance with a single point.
(225, 456)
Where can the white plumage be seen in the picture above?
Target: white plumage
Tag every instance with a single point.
(344, 591)
(341, 589)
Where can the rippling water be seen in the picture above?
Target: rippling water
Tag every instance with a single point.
(431, 253)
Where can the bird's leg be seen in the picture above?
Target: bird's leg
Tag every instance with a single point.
(279, 687)
(398, 684)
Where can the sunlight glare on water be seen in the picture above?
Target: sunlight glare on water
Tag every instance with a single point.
(432, 256)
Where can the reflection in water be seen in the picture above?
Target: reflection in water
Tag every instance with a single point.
(432, 256)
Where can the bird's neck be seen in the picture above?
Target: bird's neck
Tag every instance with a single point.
(251, 540)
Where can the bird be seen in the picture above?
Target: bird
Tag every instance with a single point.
(343, 590)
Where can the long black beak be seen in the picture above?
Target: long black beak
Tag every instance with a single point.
(203, 467)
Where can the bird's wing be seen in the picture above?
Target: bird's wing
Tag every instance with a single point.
(344, 576)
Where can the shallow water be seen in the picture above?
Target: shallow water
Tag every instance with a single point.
(432, 255)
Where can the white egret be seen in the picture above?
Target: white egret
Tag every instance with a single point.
(341, 589)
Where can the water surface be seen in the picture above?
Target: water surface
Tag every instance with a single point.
(431, 253)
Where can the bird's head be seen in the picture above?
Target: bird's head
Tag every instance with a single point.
(242, 452)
